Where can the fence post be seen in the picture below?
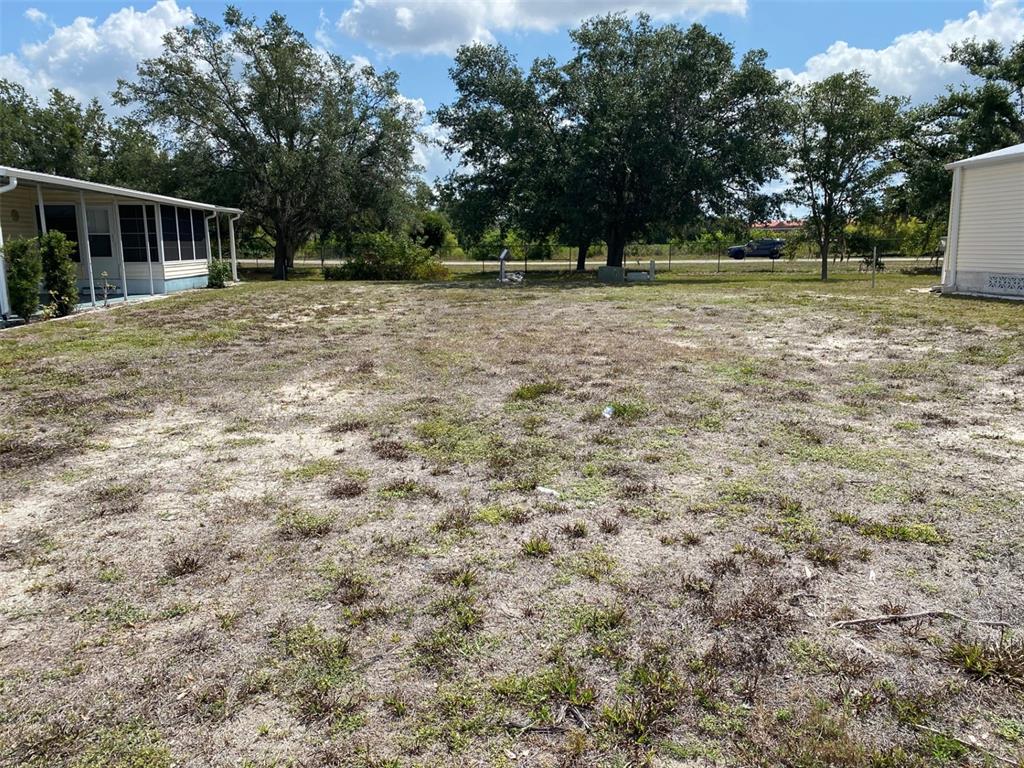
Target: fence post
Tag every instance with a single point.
(874, 265)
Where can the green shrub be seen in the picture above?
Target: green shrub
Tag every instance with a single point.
(60, 274)
(335, 272)
(381, 256)
(24, 274)
(220, 274)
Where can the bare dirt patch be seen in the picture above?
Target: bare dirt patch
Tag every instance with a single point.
(325, 524)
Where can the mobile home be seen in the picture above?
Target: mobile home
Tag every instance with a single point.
(144, 243)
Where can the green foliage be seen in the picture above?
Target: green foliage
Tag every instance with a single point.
(339, 140)
(622, 136)
(60, 275)
(535, 390)
(382, 256)
(841, 151)
(125, 746)
(24, 274)
(1000, 660)
(648, 695)
(537, 546)
(301, 523)
(220, 274)
(432, 231)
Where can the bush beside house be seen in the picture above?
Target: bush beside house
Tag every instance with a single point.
(219, 275)
(24, 273)
(60, 275)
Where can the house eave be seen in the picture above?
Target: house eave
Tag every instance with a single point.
(64, 182)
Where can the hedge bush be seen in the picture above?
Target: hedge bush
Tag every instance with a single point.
(381, 256)
(24, 274)
(60, 274)
(220, 274)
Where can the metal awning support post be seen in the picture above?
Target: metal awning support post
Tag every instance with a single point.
(149, 255)
(234, 255)
(42, 208)
(83, 246)
(5, 302)
(115, 233)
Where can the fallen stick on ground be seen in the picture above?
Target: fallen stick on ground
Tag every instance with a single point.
(936, 614)
(524, 727)
(966, 743)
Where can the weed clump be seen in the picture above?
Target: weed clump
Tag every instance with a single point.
(537, 546)
(1002, 660)
(536, 390)
(301, 523)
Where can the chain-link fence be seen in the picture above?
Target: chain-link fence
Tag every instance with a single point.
(797, 255)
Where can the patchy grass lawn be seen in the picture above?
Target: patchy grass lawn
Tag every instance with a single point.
(557, 524)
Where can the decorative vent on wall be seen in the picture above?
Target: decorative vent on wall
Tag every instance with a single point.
(1006, 283)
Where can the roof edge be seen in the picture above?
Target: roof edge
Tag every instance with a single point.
(1004, 155)
(22, 174)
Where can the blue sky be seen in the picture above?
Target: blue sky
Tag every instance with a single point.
(83, 47)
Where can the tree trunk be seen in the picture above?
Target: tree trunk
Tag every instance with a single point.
(616, 248)
(823, 245)
(581, 257)
(283, 254)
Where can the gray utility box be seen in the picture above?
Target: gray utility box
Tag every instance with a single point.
(623, 275)
(611, 274)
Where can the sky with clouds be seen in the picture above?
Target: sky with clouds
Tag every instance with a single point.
(84, 47)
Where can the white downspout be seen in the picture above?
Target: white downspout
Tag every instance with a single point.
(220, 252)
(234, 255)
(952, 233)
(42, 208)
(5, 302)
(209, 248)
(83, 245)
(115, 233)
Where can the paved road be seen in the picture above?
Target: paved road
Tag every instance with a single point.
(563, 264)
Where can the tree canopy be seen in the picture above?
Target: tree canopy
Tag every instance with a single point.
(843, 139)
(314, 143)
(642, 125)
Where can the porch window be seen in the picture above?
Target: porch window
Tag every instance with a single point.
(185, 234)
(199, 234)
(169, 229)
(61, 218)
(133, 232)
(98, 220)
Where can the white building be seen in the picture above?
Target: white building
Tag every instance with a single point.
(146, 243)
(985, 245)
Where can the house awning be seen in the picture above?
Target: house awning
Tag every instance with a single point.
(64, 182)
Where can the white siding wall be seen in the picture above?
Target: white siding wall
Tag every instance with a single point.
(18, 212)
(991, 237)
(173, 269)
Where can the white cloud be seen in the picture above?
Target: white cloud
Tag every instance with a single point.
(427, 153)
(85, 58)
(35, 16)
(912, 64)
(441, 26)
(322, 34)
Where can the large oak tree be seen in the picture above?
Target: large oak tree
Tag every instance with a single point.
(311, 142)
(643, 125)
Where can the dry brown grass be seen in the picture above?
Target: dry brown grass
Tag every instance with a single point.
(310, 524)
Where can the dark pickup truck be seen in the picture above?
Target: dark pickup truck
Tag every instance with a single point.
(770, 248)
